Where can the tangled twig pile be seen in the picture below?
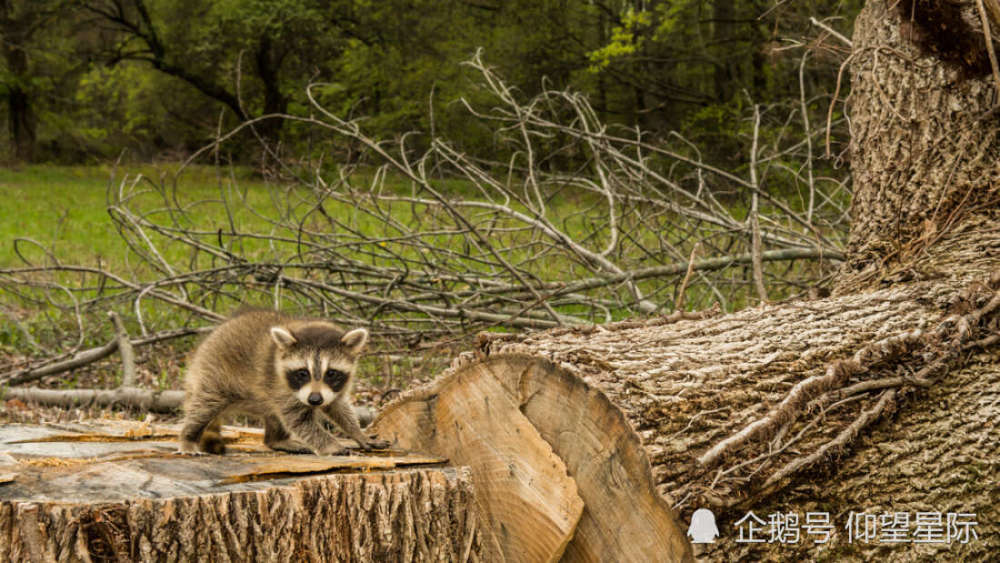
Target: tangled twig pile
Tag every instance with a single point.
(423, 242)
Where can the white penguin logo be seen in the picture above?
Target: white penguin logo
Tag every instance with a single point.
(702, 528)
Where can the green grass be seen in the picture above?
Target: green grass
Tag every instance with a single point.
(64, 210)
(60, 208)
(61, 213)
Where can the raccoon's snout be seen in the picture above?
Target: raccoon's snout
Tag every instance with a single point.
(315, 395)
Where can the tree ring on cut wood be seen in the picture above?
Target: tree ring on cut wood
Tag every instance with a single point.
(525, 494)
(624, 518)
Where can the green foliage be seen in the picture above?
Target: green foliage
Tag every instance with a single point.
(164, 86)
(626, 39)
(671, 17)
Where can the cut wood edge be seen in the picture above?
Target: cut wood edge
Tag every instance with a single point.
(624, 517)
(36, 455)
(525, 495)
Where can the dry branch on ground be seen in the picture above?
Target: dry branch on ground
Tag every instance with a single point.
(422, 241)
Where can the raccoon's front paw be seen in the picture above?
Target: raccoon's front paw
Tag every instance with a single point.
(373, 443)
(334, 449)
(189, 448)
(291, 446)
(212, 444)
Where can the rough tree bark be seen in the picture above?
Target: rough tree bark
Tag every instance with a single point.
(882, 398)
(924, 135)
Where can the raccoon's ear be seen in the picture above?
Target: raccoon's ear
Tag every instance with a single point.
(282, 337)
(355, 340)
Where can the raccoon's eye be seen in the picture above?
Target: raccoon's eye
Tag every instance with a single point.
(298, 377)
(335, 378)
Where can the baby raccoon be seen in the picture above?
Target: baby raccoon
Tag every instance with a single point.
(292, 373)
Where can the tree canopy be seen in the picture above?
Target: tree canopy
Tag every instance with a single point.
(86, 79)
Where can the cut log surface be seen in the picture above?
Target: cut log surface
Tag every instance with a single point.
(528, 499)
(656, 418)
(118, 491)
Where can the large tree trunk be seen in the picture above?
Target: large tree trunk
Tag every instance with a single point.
(21, 122)
(879, 399)
(70, 494)
(924, 140)
(21, 119)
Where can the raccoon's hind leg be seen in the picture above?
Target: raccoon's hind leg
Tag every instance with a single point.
(277, 438)
(211, 438)
(200, 415)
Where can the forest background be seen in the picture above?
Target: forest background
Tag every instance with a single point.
(460, 165)
(84, 81)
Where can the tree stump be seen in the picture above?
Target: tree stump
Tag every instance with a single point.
(118, 491)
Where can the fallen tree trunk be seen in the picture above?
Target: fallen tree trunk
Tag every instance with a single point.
(939, 457)
(82, 493)
(656, 418)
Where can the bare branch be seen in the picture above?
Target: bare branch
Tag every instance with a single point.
(758, 269)
(89, 356)
(426, 241)
(144, 399)
(124, 345)
(831, 31)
